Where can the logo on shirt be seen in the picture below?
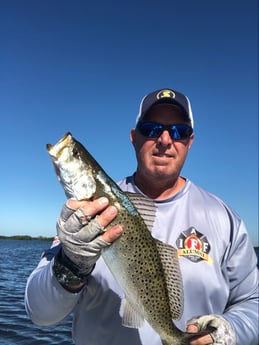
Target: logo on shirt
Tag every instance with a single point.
(193, 245)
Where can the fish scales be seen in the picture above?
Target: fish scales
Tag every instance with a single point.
(134, 258)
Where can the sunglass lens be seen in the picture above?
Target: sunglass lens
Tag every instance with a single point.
(151, 130)
(179, 132)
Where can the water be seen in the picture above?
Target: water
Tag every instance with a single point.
(17, 259)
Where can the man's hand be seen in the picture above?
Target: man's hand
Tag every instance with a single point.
(91, 208)
(200, 340)
(222, 335)
(81, 230)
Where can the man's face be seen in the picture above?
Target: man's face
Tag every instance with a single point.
(161, 157)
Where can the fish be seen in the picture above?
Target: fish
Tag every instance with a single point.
(146, 269)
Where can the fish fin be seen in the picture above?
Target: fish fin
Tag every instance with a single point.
(130, 318)
(171, 268)
(145, 206)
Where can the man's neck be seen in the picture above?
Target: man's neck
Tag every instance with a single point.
(159, 189)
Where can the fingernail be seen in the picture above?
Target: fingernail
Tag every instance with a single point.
(112, 210)
(103, 201)
(118, 230)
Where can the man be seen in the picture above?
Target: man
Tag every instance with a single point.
(217, 260)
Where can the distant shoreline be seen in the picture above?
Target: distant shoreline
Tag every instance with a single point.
(26, 237)
(42, 238)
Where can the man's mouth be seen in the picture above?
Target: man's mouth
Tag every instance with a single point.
(162, 155)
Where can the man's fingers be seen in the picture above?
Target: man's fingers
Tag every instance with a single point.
(205, 339)
(112, 234)
(91, 208)
(192, 329)
(107, 216)
(202, 340)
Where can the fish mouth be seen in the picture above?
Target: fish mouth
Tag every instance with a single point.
(55, 150)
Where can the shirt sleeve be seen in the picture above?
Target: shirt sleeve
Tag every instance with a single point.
(241, 269)
(46, 301)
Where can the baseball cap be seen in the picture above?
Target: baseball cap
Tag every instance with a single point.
(165, 96)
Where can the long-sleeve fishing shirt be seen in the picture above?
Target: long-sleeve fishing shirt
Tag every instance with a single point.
(218, 266)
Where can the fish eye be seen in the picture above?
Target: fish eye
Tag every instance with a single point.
(76, 152)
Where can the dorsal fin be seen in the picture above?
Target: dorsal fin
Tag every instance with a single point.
(172, 273)
(145, 206)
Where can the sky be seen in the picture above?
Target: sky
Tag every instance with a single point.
(84, 66)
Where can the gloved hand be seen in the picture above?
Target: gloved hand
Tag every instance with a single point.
(83, 237)
(222, 335)
(79, 235)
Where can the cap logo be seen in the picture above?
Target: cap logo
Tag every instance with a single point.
(165, 94)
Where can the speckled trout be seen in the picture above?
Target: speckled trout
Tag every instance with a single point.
(146, 269)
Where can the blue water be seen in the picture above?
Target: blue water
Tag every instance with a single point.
(17, 260)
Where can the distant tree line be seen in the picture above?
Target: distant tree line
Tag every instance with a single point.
(26, 237)
(42, 238)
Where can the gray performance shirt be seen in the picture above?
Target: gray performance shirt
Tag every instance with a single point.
(217, 261)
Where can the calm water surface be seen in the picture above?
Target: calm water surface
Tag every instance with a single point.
(17, 260)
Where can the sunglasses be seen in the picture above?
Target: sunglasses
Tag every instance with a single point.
(154, 130)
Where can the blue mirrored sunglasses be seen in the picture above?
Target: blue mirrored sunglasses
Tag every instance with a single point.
(154, 130)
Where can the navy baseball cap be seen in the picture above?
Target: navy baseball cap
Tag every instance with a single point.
(165, 96)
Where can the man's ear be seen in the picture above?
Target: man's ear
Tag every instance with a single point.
(132, 136)
(191, 141)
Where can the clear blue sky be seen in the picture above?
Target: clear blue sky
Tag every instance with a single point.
(83, 66)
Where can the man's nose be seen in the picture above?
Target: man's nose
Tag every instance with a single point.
(165, 138)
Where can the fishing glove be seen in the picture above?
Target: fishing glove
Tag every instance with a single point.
(81, 246)
(223, 334)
